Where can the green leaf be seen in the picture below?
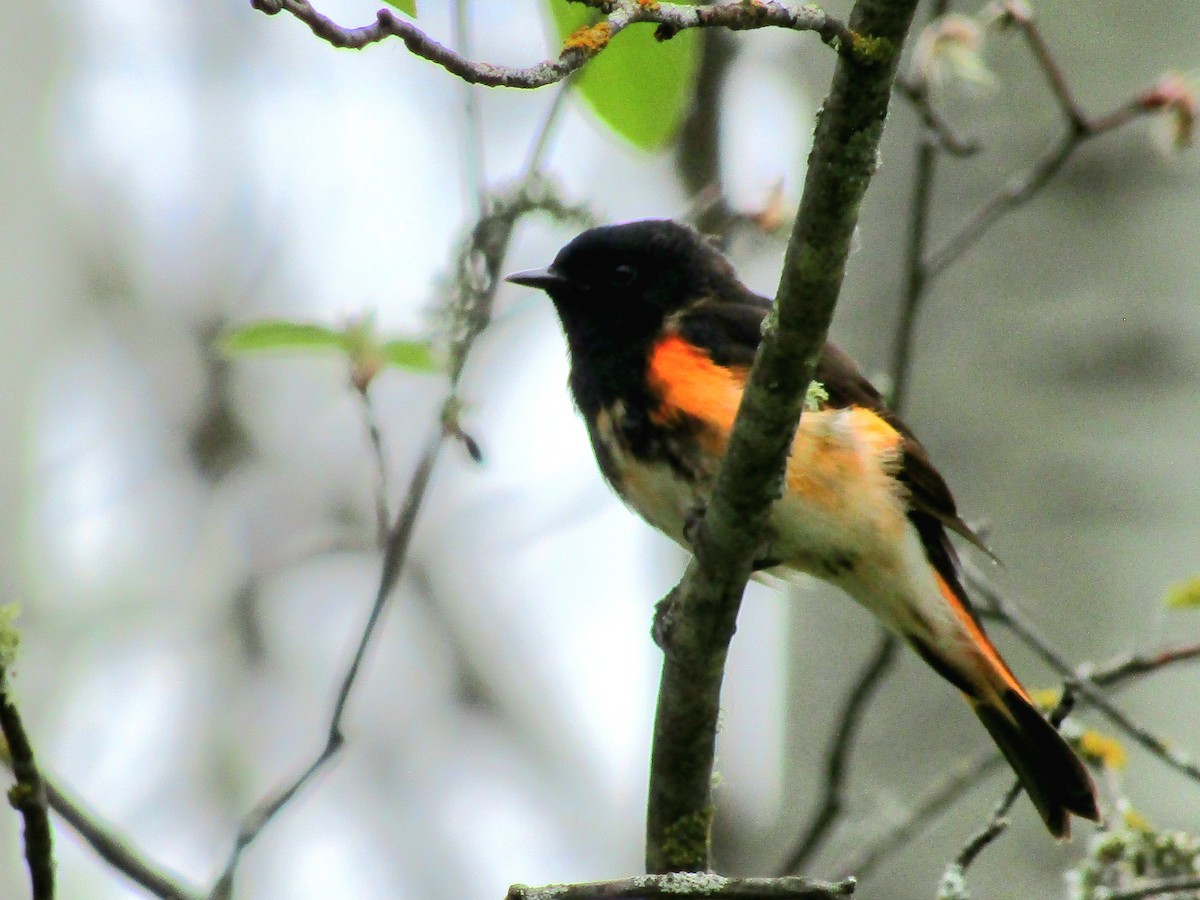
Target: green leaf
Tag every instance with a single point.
(279, 334)
(408, 7)
(1184, 594)
(638, 86)
(415, 355)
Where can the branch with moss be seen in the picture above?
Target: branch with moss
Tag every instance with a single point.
(699, 616)
(28, 794)
(690, 884)
(671, 18)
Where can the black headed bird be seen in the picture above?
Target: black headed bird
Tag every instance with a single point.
(661, 335)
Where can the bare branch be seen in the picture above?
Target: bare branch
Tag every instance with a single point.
(838, 755)
(1131, 665)
(375, 437)
(1022, 188)
(698, 149)
(954, 878)
(476, 278)
(1160, 888)
(944, 793)
(394, 556)
(924, 811)
(670, 17)
(1079, 681)
(115, 850)
(689, 884)
(949, 140)
(28, 795)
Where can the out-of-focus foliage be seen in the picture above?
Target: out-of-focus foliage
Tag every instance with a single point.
(1184, 594)
(639, 87)
(367, 351)
(408, 7)
(1131, 856)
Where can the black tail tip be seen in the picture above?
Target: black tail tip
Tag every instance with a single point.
(1051, 773)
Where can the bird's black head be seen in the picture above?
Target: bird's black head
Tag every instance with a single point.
(614, 288)
(622, 281)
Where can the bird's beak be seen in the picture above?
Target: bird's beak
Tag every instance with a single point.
(543, 279)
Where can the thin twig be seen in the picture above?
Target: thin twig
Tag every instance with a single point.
(921, 814)
(947, 791)
(838, 755)
(917, 93)
(670, 17)
(689, 884)
(1080, 128)
(114, 849)
(698, 150)
(1159, 888)
(1131, 665)
(394, 556)
(998, 822)
(375, 437)
(1011, 614)
(469, 311)
(996, 826)
(28, 795)
(541, 142)
(474, 169)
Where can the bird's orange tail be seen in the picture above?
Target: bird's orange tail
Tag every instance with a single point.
(1048, 769)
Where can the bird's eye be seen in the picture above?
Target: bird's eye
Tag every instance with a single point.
(624, 276)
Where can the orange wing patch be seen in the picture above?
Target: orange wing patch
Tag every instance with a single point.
(691, 384)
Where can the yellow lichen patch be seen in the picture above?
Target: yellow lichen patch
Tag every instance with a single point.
(648, 4)
(1135, 821)
(1046, 699)
(871, 49)
(589, 38)
(1102, 749)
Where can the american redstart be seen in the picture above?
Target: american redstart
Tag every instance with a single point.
(661, 336)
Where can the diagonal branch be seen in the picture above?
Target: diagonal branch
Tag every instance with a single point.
(702, 610)
(1076, 680)
(837, 761)
(922, 813)
(476, 279)
(671, 18)
(115, 850)
(1080, 128)
(949, 789)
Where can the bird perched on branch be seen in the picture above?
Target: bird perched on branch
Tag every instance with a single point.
(661, 335)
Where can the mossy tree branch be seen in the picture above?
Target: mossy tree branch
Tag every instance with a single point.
(702, 611)
(28, 794)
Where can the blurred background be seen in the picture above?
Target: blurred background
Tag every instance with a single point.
(192, 540)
